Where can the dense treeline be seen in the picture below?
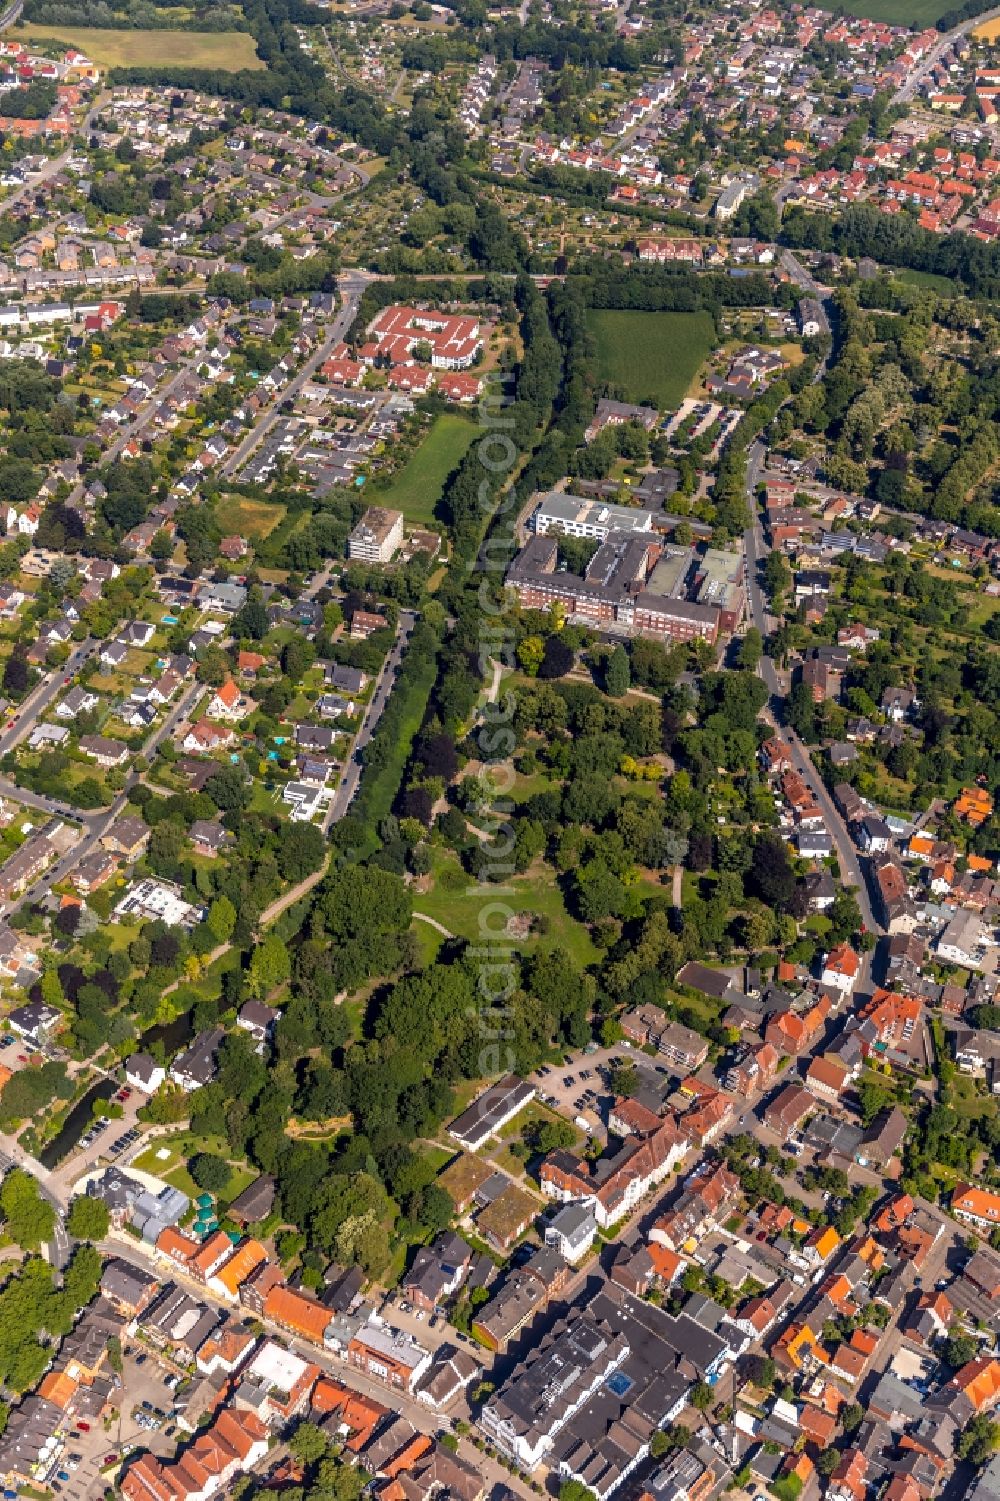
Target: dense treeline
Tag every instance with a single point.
(897, 240)
(910, 405)
(517, 415)
(959, 13)
(608, 284)
(132, 15)
(34, 101)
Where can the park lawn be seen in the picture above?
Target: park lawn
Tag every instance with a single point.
(929, 280)
(232, 51)
(459, 903)
(651, 356)
(429, 942)
(182, 1147)
(240, 517)
(419, 485)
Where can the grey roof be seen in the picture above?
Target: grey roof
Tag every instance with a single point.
(574, 1222)
(141, 1066)
(256, 1200)
(491, 1109)
(126, 1283)
(893, 1396)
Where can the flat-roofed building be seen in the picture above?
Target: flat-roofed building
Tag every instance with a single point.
(576, 516)
(490, 1111)
(377, 537)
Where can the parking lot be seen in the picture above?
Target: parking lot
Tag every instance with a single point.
(432, 1330)
(17, 1053)
(89, 1445)
(583, 1089)
(105, 1140)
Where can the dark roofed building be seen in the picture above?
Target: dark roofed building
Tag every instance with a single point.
(255, 1202)
(490, 1111)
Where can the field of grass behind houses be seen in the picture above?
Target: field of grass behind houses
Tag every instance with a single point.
(651, 356)
(418, 486)
(231, 51)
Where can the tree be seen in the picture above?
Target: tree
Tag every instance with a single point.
(162, 545)
(761, 1370)
(88, 1218)
(751, 650)
(701, 1396)
(557, 658)
(851, 1417)
(270, 966)
(210, 1172)
(221, 919)
(960, 1349)
(575, 1490)
(16, 672)
(252, 622)
(617, 675)
(979, 1440)
(30, 1219)
(625, 1079)
(544, 1136)
(227, 788)
(301, 851)
(530, 652)
(308, 1443)
(771, 875)
(437, 1208)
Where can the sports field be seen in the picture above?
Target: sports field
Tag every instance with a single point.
(651, 356)
(231, 51)
(418, 486)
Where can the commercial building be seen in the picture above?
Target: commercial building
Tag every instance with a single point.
(575, 516)
(613, 1185)
(158, 901)
(624, 589)
(389, 1354)
(587, 1400)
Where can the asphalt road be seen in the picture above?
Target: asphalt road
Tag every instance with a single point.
(99, 820)
(352, 285)
(41, 696)
(756, 551)
(384, 684)
(907, 90)
(423, 1418)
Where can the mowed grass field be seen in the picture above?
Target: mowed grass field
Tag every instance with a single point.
(231, 51)
(915, 13)
(240, 517)
(651, 356)
(419, 485)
